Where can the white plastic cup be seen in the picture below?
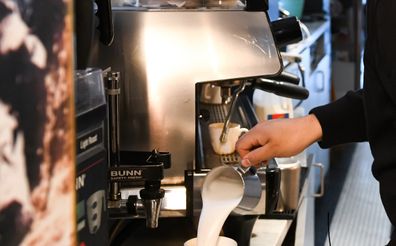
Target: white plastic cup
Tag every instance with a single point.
(221, 241)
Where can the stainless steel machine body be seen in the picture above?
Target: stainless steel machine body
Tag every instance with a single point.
(163, 56)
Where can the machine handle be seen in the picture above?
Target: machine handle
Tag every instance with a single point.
(105, 27)
(321, 168)
(256, 5)
(286, 31)
(83, 27)
(282, 89)
(287, 77)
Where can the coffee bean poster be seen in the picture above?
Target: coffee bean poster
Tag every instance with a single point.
(37, 170)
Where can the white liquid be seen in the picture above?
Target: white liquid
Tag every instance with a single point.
(220, 196)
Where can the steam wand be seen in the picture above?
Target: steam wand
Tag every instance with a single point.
(224, 133)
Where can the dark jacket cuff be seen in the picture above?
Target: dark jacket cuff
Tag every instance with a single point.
(343, 120)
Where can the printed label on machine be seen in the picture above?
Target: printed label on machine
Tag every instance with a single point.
(89, 140)
(278, 116)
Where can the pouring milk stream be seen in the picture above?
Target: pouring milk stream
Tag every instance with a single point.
(222, 192)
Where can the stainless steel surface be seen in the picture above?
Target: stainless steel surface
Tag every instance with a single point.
(321, 168)
(173, 204)
(174, 199)
(242, 169)
(252, 192)
(305, 230)
(152, 211)
(241, 88)
(163, 55)
(289, 187)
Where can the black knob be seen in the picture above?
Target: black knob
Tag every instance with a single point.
(287, 77)
(131, 205)
(152, 190)
(256, 5)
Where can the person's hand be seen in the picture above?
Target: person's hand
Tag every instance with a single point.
(278, 138)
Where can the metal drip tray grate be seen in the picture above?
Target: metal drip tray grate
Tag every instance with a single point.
(230, 159)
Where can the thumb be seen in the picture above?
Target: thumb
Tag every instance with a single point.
(254, 157)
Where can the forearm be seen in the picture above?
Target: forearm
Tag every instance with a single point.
(313, 129)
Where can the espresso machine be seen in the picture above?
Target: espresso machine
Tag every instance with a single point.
(172, 69)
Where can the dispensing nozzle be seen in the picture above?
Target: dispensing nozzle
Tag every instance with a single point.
(152, 195)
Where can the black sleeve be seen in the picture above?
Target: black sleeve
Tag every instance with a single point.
(343, 120)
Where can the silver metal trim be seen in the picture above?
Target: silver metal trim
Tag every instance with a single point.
(321, 168)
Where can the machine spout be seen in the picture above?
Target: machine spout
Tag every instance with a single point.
(152, 196)
(152, 210)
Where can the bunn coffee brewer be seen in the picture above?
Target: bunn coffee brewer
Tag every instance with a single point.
(128, 167)
(166, 59)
